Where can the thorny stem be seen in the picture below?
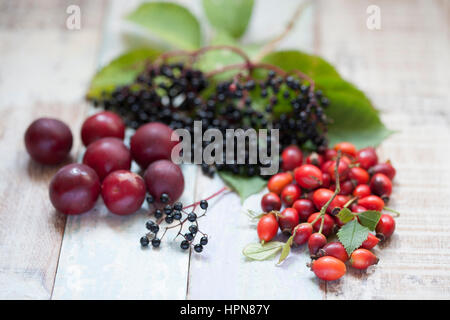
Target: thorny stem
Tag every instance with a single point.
(270, 46)
(336, 192)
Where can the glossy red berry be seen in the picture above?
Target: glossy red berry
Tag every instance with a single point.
(361, 191)
(315, 159)
(385, 226)
(152, 142)
(381, 185)
(325, 166)
(290, 193)
(370, 242)
(343, 170)
(362, 259)
(372, 203)
(330, 154)
(338, 203)
(277, 182)
(102, 125)
(308, 176)
(315, 242)
(164, 177)
(367, 157)
(302, 233)
(326, 180)
(267, 227)
(328, 268)
(357, 208)
(346, 148)
(328, 223)
(321, 197)
(270, 201)
(292, 157)
(48, 141)
(304, 207)
(358, 175)
(288, 219)
(123, 192)
(74, 189)
(346, 188)
(107, 155)
(384, 168)
(334, 249)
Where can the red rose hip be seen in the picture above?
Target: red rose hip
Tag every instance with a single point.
(102, 125)
(328, 268)
(305, 208)
(48, 141)
(308, 176)
(288, 219)
(270, 201)
(74, 189)
(123, 192)
(292, 157)
(107, 155)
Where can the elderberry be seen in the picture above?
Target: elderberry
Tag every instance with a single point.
(156, 242)
(198, 248)
(204, 241)
(192, 217)
(158, 214)
(204, 204)
(144, 241)
(164, 198)
(184, 245)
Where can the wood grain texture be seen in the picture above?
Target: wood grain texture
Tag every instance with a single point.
(404, 69)
(44, 70)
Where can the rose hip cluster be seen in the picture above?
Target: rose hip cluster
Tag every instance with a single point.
(306, 185)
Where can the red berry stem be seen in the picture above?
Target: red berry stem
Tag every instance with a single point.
(208, 198)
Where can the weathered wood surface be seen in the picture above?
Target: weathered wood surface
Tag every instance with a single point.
(45, 69)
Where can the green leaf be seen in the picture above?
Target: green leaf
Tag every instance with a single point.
(253, 215)
(231, 16)
(286, 249)
(258, 251)
(345, 215)
(369, 219)
(170, 22)
(244, 186)
(121, 71)
(352, 235)
(353, 116)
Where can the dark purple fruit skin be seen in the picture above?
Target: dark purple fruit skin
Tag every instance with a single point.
(48, 141)
(152, 142)
(102, 125)
(107, 155)
(74, 189)
(163, 176)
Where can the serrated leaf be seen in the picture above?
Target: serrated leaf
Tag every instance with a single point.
(353, 116)
(258, 251)
(231, 16)
(345, 215)
(352, 235)
(170, 22)
(121, 71)
(286, 249)
(244, 186)
(369, 219)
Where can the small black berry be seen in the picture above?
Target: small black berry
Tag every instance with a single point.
(144, 241)
(168, 209)
(178, 206)
(184, 244)
(150, 199)
(204, 241)
(188, 236)
(164, 198)
(198, 248)
(193, 228)
(156, 242)
(158, 214)
(169, 219)
(149, 224)
(204, 204)
(176, 215)
(192, 217)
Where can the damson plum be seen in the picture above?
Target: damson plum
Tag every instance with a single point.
(102, 125)
(163, 177)
(123, 192)
(107, 155)
(74, 189)
(48, 141)
(152, 142)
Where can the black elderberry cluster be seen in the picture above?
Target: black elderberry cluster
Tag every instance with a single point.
(178, 95)
(173, 213)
